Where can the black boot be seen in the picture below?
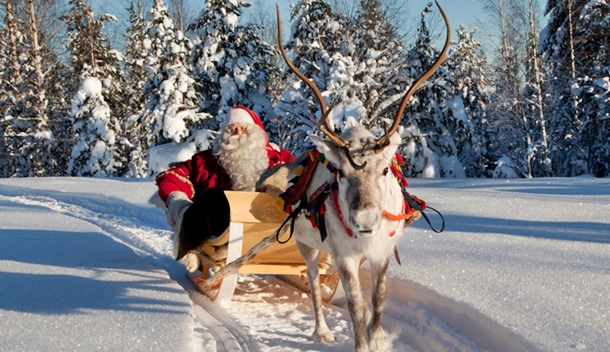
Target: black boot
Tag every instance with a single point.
(208, 216)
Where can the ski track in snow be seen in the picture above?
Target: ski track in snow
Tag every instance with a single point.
(267, 314)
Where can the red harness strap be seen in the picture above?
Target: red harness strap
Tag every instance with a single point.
(335, 199)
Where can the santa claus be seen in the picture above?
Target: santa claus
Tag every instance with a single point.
(192, 190)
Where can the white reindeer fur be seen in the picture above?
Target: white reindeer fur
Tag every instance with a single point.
(348, 252)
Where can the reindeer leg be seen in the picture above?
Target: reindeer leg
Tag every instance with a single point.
(348, 271)
(375, 332)
(321, 332)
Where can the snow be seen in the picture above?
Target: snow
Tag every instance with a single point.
(523, 265)
(91, 87)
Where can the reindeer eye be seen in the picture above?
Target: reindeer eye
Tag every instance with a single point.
(385, 171)
(340, 173)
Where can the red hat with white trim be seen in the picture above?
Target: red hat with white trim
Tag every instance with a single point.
(241, 114)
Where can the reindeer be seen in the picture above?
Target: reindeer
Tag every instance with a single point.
(363, 212)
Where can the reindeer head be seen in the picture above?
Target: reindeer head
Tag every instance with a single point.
(365, 182)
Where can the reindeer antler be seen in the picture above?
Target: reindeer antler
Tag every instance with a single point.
(385, 139)
(327, 130)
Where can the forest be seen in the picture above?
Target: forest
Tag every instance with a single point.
(73, 103)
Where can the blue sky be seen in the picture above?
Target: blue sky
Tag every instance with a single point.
(467, 12)
(459, 11)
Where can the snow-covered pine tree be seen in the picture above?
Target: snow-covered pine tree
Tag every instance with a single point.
(5, 86)
(11, 83)
(91, 51)
(322, 51)
(473, 87)
(97, 152)
(263, 16)
(29, 140)
(592, 86)
(507, 108)
(433, 115)
(536, 96)
(94, 152)
(379, 56)
(135, 76)
(45, 89)
(558, 45)
(231, 63)
(171, 108)
(135, 59)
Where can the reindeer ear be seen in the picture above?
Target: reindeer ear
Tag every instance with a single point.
(396, 138)
(324, 146)
(327, 147)
(395, 141)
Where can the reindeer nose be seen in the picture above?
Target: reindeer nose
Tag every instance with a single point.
(366, 221)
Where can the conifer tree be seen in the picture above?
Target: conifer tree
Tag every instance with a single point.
(592, 86)
(3, 101)
(29, 139)
(322, 51)
(12, 84)
(135, 59)
(7, 87)
(379, 57)
(171, 102)
(231, 62)
(135, 77)
(512, 123)
(536, 97)
(433, 115)
(575, 44)
(473, 88)
(94, 152)
(93, 112)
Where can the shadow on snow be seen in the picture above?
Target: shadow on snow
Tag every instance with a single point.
(97, 257)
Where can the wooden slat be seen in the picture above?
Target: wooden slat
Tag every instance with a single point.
(271, 269)
(253, 207)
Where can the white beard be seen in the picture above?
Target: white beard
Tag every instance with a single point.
(244, 157)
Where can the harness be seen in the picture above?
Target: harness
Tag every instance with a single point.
(315, 205)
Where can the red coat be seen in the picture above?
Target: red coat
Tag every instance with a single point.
(203, 171)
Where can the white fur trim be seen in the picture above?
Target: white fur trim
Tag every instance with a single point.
(177, 204)
(275, 146)
(156, 200)
(238, 116)
(191, 261)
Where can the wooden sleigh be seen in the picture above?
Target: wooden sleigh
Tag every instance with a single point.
(252, 247)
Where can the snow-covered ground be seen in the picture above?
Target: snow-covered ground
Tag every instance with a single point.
(523, 265)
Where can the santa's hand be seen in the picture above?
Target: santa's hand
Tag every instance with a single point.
(177, 204)
(274, 181)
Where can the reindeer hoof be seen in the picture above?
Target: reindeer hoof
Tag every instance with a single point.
(323, 336)
(377, 340)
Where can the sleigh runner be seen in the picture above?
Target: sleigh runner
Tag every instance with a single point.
(251, 244)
